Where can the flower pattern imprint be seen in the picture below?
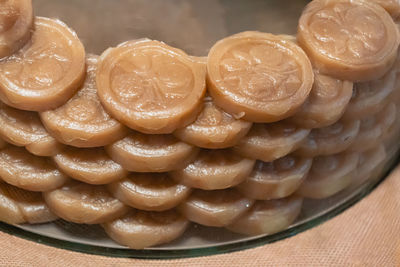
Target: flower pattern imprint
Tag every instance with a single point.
(346, 30)
(85, 106)
(151, 81)
(266, 72)
(38, 67)
(212, 116)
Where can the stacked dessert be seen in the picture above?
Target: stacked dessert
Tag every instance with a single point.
(145, 138)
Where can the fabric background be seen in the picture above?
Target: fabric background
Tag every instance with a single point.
(367, 234)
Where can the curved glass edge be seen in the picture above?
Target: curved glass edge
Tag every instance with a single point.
(187, 253)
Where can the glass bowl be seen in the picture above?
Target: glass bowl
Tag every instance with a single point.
(193, 26)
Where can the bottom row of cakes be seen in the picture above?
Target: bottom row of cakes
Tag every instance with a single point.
(148, 209)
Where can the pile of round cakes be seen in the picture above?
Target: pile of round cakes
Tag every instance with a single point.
(145, 138)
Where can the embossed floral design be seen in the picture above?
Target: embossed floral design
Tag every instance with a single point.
(85, 105)
(38, 67)
(155, 79)
(325, 88)
(261, 72)
(83, 110)
(344, 30)
(211, 116)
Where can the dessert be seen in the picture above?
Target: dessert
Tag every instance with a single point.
(329, 175)
(150, 86)
(82, 121)
(151, 153)
(83, 203)
(373, 129)
(16, 23)
(268, 216)
(149, 191)
(141, 229)
(370, 97)
(326, 103)
(391, 6)
(258, 77)
(216, 208)
(46, 147)
(277, 179)
(268, 142)
(20, 206)
(370, 164)
(351, 40)
(395, 96)
(46, 72)
(392, 134)
(24, 128)
(330, 140)
(3, 143)
(24, 170)
(215, 169)
(214, 128)
(90, 165)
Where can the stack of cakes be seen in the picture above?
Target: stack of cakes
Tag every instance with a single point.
(145, 138)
